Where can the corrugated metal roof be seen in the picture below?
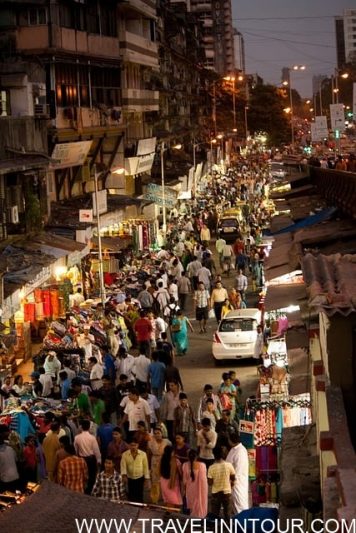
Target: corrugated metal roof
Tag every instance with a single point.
(327, 231)
(281, 296)
(54, 508)
(331, 282)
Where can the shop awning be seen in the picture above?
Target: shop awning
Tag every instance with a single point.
(22, 163)
(310, 221)
(282, 296)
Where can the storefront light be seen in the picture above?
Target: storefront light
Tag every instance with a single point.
(59, 272)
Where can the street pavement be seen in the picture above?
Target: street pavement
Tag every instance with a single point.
(198, 368)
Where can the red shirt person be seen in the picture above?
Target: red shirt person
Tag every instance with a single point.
(143, 330)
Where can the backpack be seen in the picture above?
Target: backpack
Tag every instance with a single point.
(156, 307)
(172, 313)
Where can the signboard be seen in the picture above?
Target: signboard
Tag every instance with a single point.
(85, 215)
(315, 134)
(154, 194)
(146, 146)
(70, 154)
(337, 117)
(136, 165)
(145, 163)
(102, 202)
(321, 124)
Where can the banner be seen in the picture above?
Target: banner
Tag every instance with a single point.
(146, 146)
(319, 129)
(70, 154)
(154, 194)
(337, 117)
(102, 202)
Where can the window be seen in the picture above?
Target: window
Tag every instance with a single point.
(108, 18)
(105, 86)
(70, 78)
(72, 17)
(238, 324)
(37, 16)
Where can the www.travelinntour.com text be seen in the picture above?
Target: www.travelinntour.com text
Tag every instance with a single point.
(192, 525)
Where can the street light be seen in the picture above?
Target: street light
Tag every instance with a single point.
(294, 68)
(335, 84)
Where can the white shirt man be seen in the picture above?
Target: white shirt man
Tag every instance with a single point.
(162, 296)
(219, 245)
(85, 341)
(96, 373)
(193, 268)
(241, 283)
(161, 327)
(141, 368)
(238, 457)
(86, 445)
(173, 290)
(47, 384)
(136, 410)
(204, 276)
(126, 365)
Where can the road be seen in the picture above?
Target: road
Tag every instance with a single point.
(197, 367)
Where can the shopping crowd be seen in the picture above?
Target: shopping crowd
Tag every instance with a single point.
(120, 426)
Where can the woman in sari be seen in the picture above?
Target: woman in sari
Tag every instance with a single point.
(171, 472)
(179, 332)
(155, 451)
(195, 485)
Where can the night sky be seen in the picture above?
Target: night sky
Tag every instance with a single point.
(282, 33)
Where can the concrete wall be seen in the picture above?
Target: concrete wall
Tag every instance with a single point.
(340, 347)
(27, 133)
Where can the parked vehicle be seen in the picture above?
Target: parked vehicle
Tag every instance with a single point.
(236, 335)
(229, 228)
(277, 170)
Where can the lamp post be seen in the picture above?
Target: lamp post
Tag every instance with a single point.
(212, 141)
(335, 84)
(246, 125)
(100, 251)
(294, 68)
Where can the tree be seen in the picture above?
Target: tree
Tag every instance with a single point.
(266, 114)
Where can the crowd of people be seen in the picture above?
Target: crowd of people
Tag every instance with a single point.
(125, 428)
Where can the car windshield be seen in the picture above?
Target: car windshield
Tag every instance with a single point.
(229, 222)
(229, 325)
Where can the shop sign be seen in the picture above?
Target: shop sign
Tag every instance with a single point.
(146, 146)
(154, 194)
(136, 165)
(319, 129)
(145, 163)
(85, 215)
(102, 202)
(337, 117)
(70, 154)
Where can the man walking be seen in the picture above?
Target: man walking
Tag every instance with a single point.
(201, 304)
(238, 457)
(134, 471)
(221, 477)
(184, 288)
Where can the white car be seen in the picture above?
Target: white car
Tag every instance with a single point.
(236, 335)
(277, 170)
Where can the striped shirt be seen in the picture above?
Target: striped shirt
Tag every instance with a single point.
(201, 298)
(73, 473)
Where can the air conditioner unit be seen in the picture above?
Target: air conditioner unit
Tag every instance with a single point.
(13, 214)
(40, 110)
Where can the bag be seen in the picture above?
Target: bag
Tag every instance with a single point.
(226, 402)
(175, 328)
(211, 313)
(156, 308)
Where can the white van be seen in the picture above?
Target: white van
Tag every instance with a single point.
(236, 335)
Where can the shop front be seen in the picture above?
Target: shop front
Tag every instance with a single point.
(37, 289)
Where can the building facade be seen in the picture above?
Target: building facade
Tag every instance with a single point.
(345, 32)
(239, 48)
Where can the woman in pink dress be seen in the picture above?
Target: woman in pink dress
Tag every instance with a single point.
(171, 472)
(195, 484)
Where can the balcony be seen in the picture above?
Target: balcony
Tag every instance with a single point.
(145, 7)
(86, 119)
(139, 100)
(68, 40)
(136, 49)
